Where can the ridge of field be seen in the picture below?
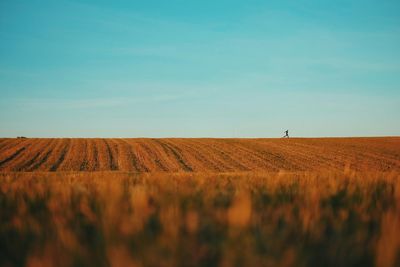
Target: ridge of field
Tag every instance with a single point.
(199, 154)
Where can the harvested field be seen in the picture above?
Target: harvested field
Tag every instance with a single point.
(200, 154)
(200, 202)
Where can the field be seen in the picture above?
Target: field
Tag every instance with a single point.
(200, 202)
(200, 155)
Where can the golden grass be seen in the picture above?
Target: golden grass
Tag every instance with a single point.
(237, 219)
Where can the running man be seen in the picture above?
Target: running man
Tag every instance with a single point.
(286, 134)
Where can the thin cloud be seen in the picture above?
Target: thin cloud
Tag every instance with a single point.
(91, 103)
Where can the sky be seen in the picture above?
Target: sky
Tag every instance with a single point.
(210, 68)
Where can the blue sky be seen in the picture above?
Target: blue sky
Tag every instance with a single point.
(152, 68)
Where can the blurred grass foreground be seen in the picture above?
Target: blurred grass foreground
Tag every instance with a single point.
(260, 219)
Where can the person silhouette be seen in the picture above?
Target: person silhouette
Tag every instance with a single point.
(286, 134)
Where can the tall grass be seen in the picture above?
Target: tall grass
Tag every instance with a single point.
(259, 219)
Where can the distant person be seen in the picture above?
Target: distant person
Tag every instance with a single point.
(286, 134)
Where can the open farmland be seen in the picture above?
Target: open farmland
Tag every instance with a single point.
(200, 202)
(199, 155)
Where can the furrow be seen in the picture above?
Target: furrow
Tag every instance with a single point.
(29, 156)
(137, 157)
(176, 153)
(151, 158)
(62, 156)
(205, 161)
(127, 159)
(74, 157)
(111, 151)
(248, 158)
(53, 155)
(211, 153)
(14, 146)
(91, 160)
(13, 156)
(84, 165)
(43, 156)
(231, 163)
(6, 143)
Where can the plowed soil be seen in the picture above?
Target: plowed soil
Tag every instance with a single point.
(199, 154)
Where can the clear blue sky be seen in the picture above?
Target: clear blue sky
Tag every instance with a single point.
(96, 68)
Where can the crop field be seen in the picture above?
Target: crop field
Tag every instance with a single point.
(120, 219)
(200, 202)
(199, 155)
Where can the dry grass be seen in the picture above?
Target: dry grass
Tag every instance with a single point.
(260, 219)
(200, 155)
